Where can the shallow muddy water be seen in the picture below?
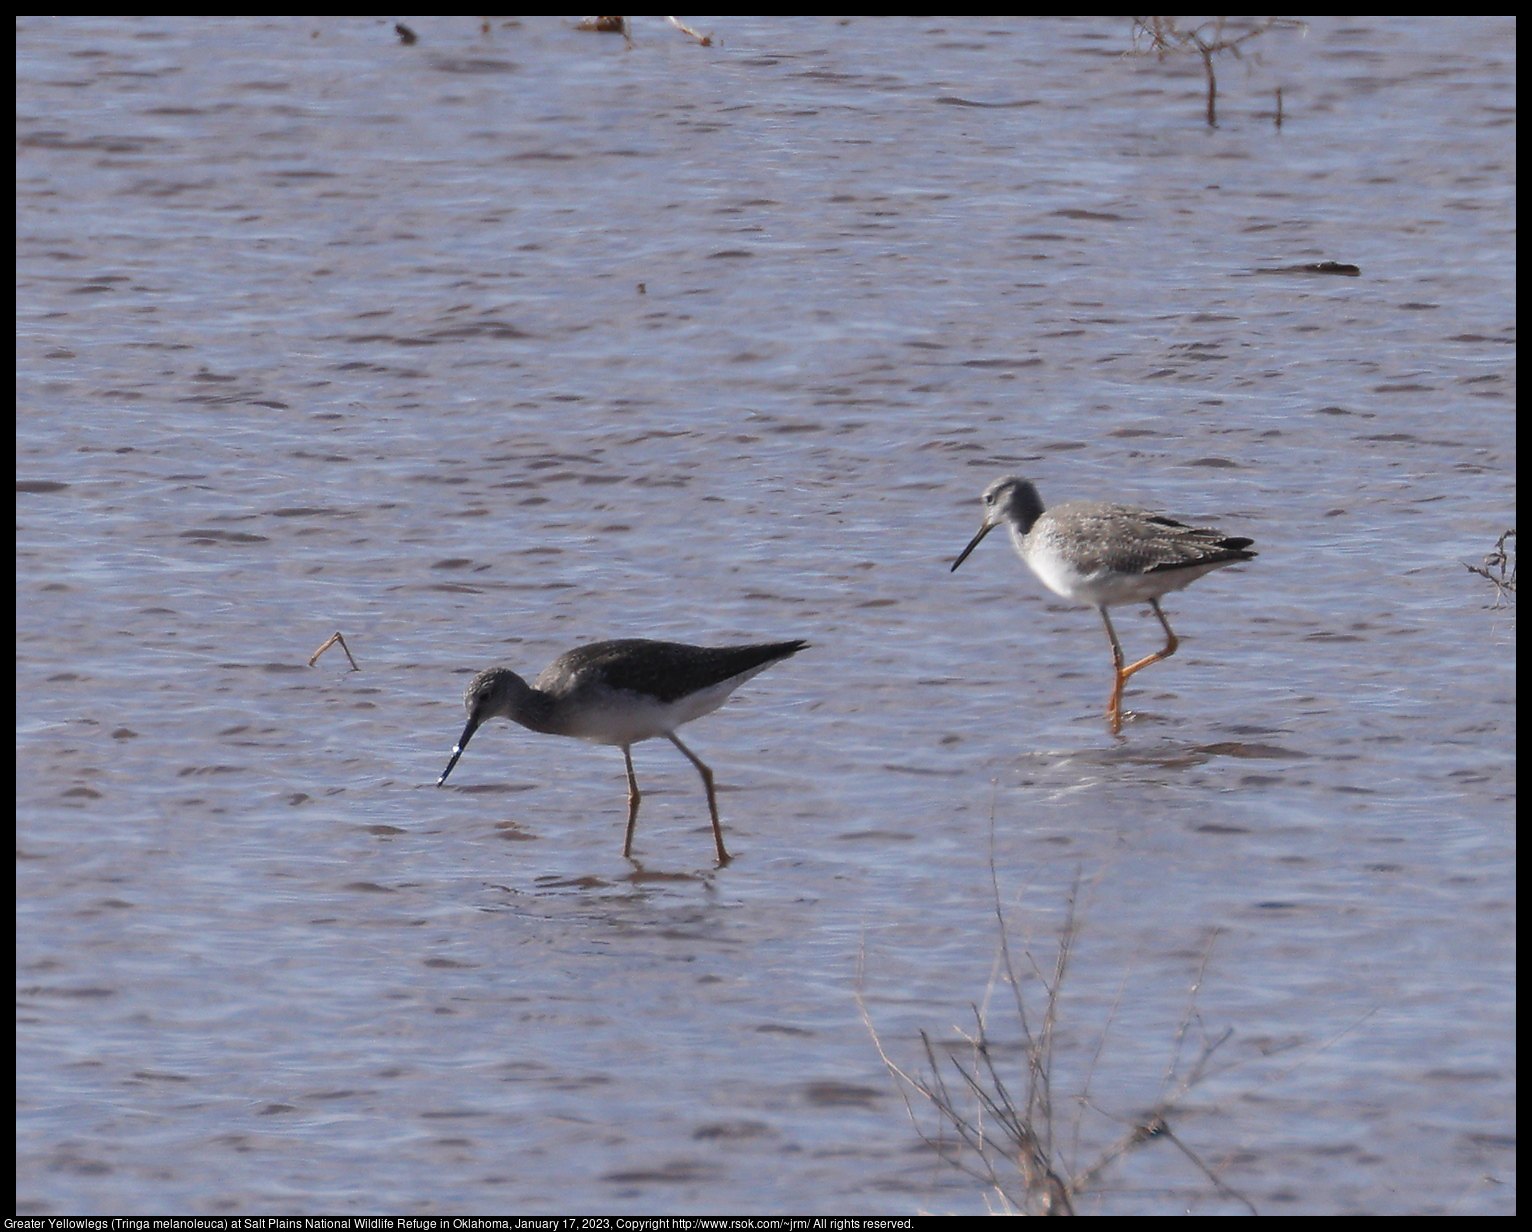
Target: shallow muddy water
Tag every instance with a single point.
(485, 347)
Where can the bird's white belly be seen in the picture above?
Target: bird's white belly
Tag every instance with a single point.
(626, 718)
(1107, 587)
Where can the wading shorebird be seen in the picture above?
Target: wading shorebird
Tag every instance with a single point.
(620, 693)
(1105, 555)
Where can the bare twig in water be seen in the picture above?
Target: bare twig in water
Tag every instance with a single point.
(705, 39)
(330, 641)
(1499, 566)
(1161, 37)
(1008, 1138)
(607, 25)
(1153, 1124)
(622, 26)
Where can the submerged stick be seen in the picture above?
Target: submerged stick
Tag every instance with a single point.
(334, 637)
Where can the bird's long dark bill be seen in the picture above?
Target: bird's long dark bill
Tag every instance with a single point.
(972, 543)
(462, 743)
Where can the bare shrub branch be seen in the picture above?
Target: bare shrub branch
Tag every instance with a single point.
(1499, 567)
(1161, 37)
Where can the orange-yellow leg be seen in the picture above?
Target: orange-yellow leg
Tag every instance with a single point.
(712, 802)
(1114, 704)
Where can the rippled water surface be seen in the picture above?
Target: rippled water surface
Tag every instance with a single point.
(506, 341)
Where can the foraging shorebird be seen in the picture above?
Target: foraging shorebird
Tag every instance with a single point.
(620, 693)
(1105, 555)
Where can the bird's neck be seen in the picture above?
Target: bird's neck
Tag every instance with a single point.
(1026, 508)
(530, 707)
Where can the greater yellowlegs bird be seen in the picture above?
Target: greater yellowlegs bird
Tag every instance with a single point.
(1105, 555)
(620, 693)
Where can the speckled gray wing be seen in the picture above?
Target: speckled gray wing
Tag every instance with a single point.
(1099, 536)
(667, 671)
